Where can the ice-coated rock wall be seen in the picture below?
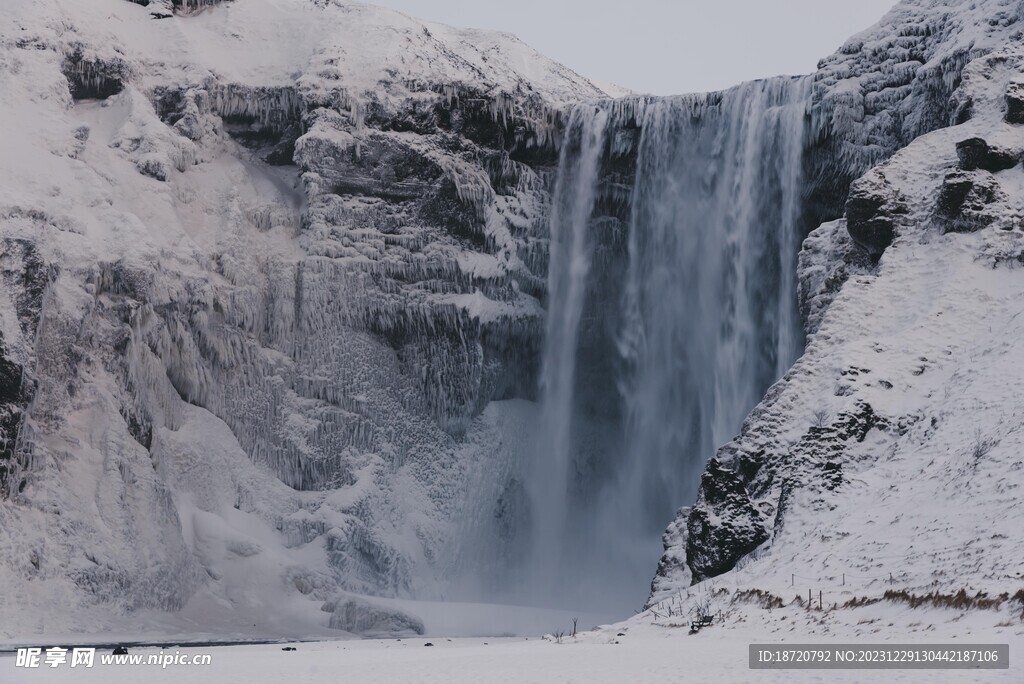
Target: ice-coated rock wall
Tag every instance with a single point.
(893, 82)
(267, 306)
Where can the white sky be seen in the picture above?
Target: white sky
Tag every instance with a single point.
(667, 46)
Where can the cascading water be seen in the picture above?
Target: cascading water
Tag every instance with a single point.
(667, 320)
(571, 254)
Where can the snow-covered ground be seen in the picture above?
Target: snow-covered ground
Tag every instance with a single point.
(640, 651)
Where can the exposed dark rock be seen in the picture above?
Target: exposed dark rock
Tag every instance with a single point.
(120, 650)
(25, 273)
(282, 152)
(966, 201)
(154, 167)
(1015, 103)
(954, 191)
(782, 507)
(976, 153)
(734, 508)
(723, 526)
(13, 398)
(872, 213)
(187, 6)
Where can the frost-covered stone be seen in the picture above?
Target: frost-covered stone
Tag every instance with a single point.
(828, 257)
(966, 200)
(872, 213)
(975, 153)
(251, 357)
(723, 525)
(673, 574)
(894, 82)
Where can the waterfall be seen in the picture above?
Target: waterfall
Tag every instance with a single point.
(569, 266)
(667, 320)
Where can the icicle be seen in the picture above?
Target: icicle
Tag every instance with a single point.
(269, 108)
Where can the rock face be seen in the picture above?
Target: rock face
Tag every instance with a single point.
(966, 201)
(723, 526)
(976, 153)
(828, 257)
(872, 213)
(23, 272)
(893, 405)
(1015, 103)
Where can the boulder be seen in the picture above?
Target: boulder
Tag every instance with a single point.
(723, 526)
(872, 209)
(976, 153)
(968, 201)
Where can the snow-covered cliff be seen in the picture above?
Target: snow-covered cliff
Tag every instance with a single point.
(267, 265)
(887, 458)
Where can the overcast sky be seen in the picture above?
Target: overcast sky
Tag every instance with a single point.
(667, 46)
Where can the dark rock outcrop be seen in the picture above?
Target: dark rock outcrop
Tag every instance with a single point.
(22, 270)
(1015, 103)
(90, 77)
(723, 526)
(968, 201)
(976, 153)
(13, 397)
(872, 213)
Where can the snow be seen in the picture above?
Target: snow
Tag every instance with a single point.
(639, 652)
(329, 46)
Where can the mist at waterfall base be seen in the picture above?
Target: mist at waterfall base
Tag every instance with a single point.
(671, 309)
